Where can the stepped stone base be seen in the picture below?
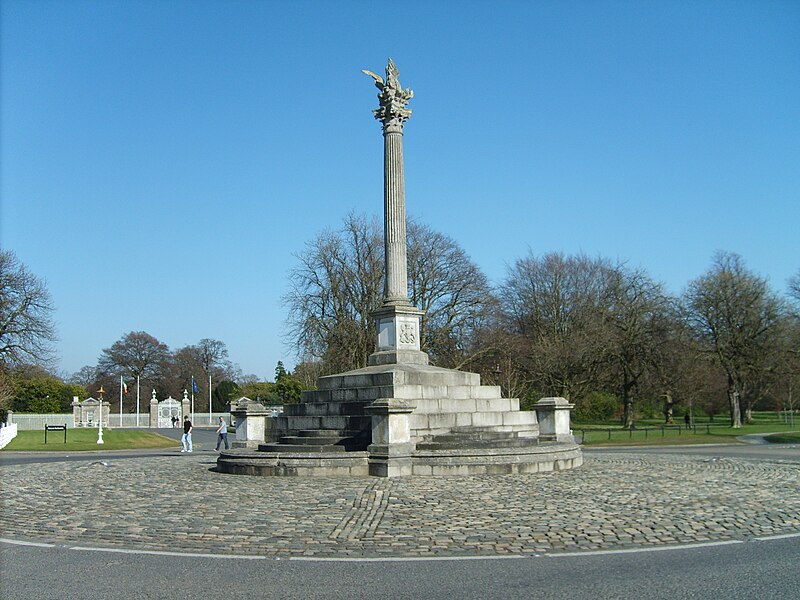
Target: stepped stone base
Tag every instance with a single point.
(249, 462)
(500, 461)
(392, 419)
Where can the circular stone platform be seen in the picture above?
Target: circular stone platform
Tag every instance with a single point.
(613, 501)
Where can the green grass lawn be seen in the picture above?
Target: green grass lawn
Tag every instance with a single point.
(784, 438)
(86, 439)
(597, 434)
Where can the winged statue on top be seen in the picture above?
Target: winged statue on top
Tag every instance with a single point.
(393, 99)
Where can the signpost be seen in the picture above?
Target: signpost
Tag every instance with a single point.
(55, 428)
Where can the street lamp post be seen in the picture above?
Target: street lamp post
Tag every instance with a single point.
(101, 391)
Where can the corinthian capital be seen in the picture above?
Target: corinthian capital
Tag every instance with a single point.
(392, 112)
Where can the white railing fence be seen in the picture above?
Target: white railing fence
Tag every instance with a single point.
(8, 431)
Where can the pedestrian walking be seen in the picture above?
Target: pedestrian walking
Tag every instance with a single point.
(186, 438)
(222, 433)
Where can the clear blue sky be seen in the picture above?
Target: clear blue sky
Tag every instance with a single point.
(163, 161)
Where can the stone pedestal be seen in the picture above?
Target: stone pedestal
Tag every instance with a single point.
(391, 448)
(553, 416)
(185, 406)
(251, 421)
(398, 336)
(153, 422)
(77, 420)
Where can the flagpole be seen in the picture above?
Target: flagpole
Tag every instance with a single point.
(120, 401)
(193, 386)
(137, 401)
(209, 400)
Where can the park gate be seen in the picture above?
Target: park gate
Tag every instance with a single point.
(166, 410)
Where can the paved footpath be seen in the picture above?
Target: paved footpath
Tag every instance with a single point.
(616, 500)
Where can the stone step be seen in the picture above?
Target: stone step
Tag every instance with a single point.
(467, 443)
(278, 447)
(371, 378)
(483, 435)
(475, 437)
(434, 423)
(299, 440)
(349, 394)
(315, 409)
(361, 380)
(343, 422)
(311, 433)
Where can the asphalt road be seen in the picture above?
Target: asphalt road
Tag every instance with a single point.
(743, 571)
(203, 440)
(766, 451)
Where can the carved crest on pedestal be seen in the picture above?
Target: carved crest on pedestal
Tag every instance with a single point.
(407, 333)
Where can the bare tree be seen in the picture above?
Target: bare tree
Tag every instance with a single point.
(334, 288)
(6, 392)
(138, 355)
(734, 315)
(186, 364)
(554, 304)
(639, 321)
(339, 282)
(453, 292)
(704, 384)
(26, 326)
(307, 372)
(794, 292)
(86, 377)
(502, 362)
(214, 361)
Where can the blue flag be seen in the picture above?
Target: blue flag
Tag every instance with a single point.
(194, 386)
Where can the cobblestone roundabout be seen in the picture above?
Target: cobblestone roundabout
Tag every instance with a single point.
(614, 501)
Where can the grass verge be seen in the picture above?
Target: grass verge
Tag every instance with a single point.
(86, 439)
(649, 434)
(784, 438)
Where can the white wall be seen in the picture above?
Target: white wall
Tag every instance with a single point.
(28, 421)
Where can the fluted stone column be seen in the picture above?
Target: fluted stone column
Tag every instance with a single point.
(394, 217)
(397, 321)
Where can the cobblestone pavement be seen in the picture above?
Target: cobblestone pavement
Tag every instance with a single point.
(619, 500)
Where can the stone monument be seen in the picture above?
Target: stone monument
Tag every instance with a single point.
(397, 320)
(400, 415)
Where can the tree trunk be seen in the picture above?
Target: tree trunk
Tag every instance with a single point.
(668, 403)
(733, 400)
(627, 402)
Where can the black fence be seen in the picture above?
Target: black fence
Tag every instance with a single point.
(601, 434)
